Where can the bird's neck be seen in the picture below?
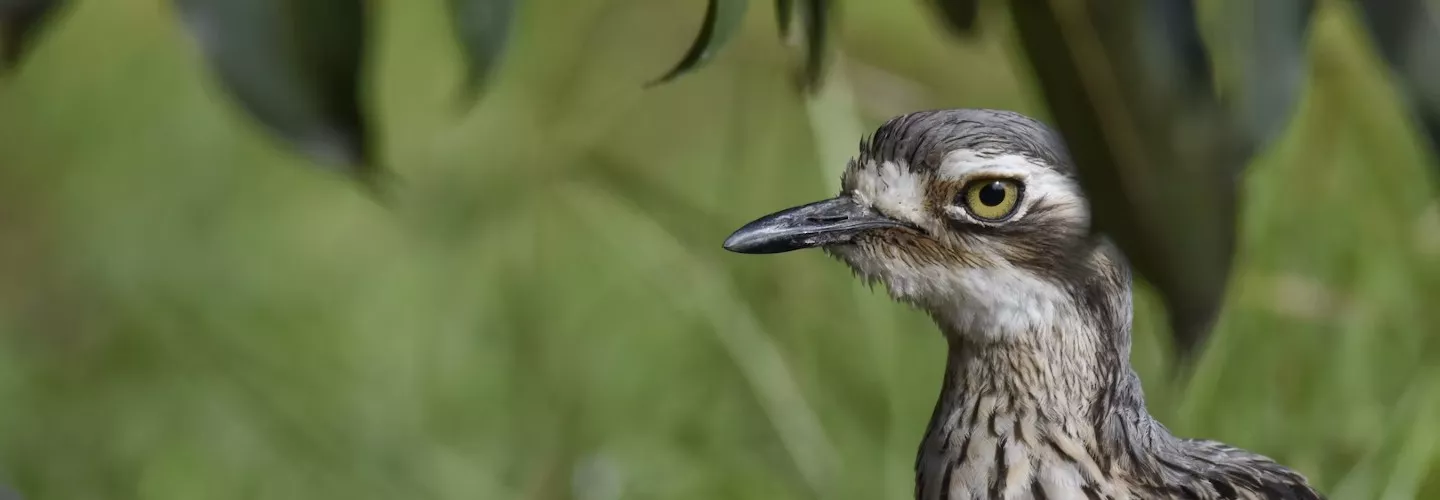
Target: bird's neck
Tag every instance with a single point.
(1050, 410)
(1014, 418)
(1052, 416)
(1058, 412)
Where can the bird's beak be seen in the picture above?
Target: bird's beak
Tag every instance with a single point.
(827, 222)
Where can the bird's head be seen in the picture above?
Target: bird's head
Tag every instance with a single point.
(973, 215)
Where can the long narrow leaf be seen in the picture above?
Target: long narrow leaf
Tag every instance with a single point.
(722, 20)
(784, 16)
(20, 22)
(1407, 34)
(295, 66)
(698, 288)
(815, 16)
(1267, 42)
(1129, 86)
(483, 27)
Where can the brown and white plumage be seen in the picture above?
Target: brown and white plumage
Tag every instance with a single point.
(975, 217)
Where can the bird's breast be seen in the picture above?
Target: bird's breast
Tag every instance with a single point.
(1017, 462)
(989, 439)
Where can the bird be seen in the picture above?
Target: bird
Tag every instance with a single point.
(976, 218)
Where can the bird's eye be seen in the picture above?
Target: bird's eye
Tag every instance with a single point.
(991, 199)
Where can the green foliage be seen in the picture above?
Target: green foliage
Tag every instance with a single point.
(20, 20)
(295, 66)
(1130, 88)
(484, 29)
(1129, 84)
(815, 17)
(959, 15)
(784, 16)
(1407, 34)
(722, 19)
(1262, 48)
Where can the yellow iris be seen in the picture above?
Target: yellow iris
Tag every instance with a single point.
(992, 199)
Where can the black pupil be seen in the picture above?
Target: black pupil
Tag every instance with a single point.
(992, 194)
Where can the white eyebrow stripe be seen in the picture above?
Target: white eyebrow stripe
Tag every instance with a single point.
(1040, 182)
(965, 163)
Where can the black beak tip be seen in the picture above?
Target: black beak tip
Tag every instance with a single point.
(746, 240)
(735, 243)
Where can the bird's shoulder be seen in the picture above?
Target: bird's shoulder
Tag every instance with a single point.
(1221, 471)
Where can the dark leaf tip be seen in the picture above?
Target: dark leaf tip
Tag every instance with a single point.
(20, 22)
(722, 21)
(483, 28)
(959, 16)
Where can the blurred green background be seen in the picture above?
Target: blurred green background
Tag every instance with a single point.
(544, 311)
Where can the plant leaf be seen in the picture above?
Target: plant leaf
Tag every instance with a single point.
(1407, 34)
(1267, 51)
(815, 17)
(698, 287)
(1129, 86)
(784, 16)
(722, 20)
(483, 27)
(20, 22)
(959, 15)
(295, 66)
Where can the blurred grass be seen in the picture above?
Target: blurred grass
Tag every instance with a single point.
(187, 312)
